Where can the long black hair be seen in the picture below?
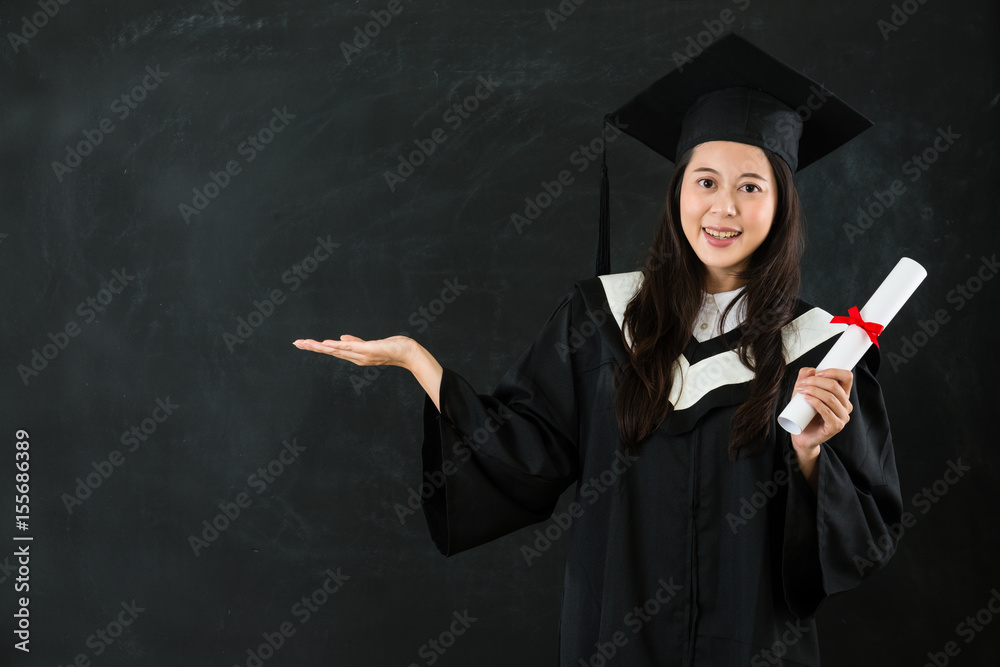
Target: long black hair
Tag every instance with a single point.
(661, 315)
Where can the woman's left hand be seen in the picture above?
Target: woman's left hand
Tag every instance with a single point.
(828, 391)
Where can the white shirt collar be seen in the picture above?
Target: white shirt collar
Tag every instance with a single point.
(706, 325)
(723, 299)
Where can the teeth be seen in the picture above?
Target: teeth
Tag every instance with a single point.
(722, 235)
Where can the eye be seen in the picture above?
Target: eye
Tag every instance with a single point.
(702, 182)
(754, 187)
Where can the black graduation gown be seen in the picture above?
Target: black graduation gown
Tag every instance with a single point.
(677, 556)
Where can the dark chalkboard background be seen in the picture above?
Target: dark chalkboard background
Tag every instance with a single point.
(169, 332)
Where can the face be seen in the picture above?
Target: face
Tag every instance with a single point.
(727, 204)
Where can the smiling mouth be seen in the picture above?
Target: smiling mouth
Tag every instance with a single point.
(721, 235)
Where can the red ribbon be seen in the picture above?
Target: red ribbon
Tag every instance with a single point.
(854, 317)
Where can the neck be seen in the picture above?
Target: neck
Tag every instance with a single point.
(719, 280)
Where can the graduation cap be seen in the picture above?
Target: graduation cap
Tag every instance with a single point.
(732, 91)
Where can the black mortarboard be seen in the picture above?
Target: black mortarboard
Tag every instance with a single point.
(732, 91)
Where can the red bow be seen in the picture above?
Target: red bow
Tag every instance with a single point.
(854, 317)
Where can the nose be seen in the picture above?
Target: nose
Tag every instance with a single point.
(724, 203)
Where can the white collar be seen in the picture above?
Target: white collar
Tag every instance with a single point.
(723, 299)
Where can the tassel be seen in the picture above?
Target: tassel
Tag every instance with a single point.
(604, 223)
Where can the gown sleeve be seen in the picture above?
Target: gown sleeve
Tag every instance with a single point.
(496, 463)
(839, 535)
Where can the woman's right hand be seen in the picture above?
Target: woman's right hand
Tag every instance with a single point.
(392, 351)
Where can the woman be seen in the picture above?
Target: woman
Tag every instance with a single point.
(700, 533)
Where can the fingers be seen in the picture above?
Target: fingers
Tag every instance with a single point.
(308, 344)
(828, 392)
(840, 407)
(334, 347)
(805, 372)
(832, 412)
(845, 378)
(343, 343)
(820, 385)
(344, 338)
(340, 349)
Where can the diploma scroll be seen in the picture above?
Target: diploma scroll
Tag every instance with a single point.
(887, 300)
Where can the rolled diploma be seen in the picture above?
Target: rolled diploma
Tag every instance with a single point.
(887, 300)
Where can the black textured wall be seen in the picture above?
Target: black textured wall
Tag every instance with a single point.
(187, 187)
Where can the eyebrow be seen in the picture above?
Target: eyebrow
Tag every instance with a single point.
(749, 173)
